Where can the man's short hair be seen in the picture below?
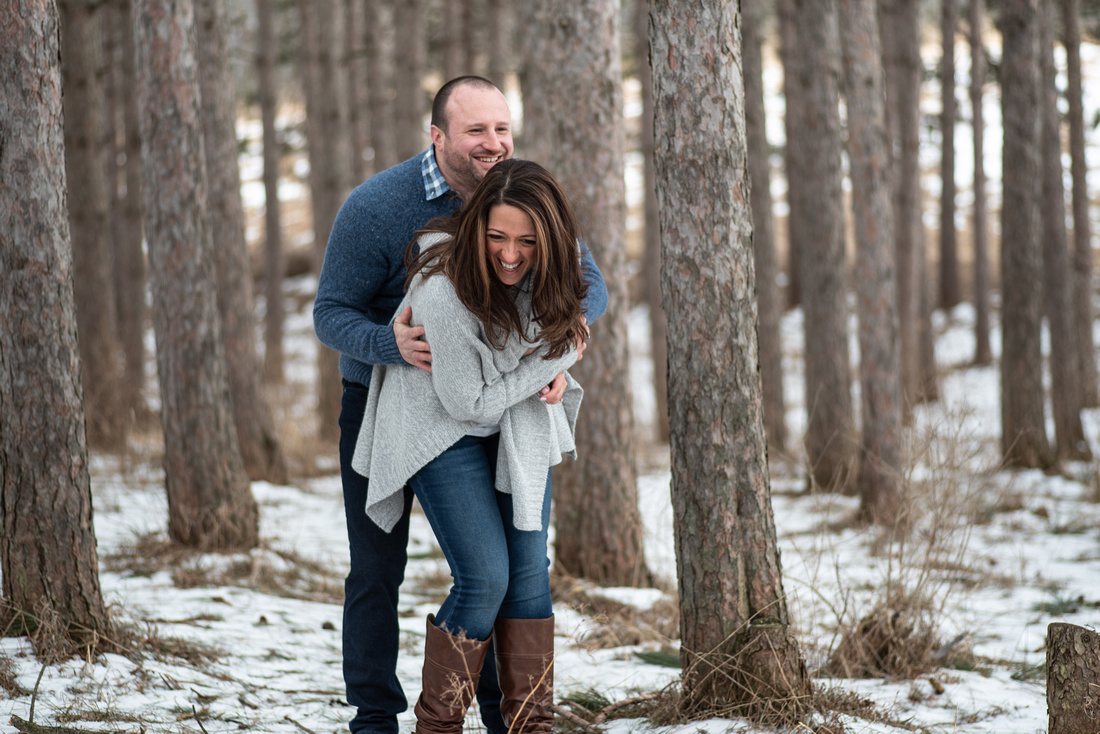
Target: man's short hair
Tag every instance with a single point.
(439, 104)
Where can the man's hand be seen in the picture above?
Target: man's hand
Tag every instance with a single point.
(552, 393)
(410, 341)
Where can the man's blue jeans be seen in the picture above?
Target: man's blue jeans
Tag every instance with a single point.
(371, 633)
(497, 569)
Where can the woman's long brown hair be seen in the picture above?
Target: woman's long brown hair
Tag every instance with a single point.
(556, 281)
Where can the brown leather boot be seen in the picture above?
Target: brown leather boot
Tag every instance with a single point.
(452, 668)
(525, 668)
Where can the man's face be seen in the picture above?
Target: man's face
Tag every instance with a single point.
(478, 136)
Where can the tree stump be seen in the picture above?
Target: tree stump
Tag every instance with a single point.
(1073, 679)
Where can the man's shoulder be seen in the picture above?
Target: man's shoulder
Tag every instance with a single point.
(404, 180)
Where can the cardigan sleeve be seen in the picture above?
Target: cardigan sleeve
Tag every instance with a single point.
(464, 374)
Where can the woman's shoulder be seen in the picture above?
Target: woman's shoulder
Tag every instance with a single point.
(435, 290)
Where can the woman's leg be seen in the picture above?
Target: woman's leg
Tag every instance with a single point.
(528, 594)
(457, 495)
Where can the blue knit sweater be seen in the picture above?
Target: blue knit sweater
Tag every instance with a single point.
(363, 276)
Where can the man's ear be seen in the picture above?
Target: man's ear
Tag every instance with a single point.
(437, 136)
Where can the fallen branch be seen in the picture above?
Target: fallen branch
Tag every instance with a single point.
(613, 707)
(574, 719)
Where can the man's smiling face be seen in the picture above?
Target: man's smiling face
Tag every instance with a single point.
(478, 136)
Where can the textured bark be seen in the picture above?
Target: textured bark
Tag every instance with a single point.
(734, 616)
(1082, 241)
(329, 169)
(573, 84)
(1073, 676)
(48, 561)
(1023, 431)
(130, 278)
(410, 60)
(256, 436)
(876, 289)
(379, 26)
(763, 235)
(983, 354)
(1069, 434)
(454, 36)
(210, 502)
(274, 254)
(651, 264)
(499, 46)
(949, 257)
(355, 77)
(830, 444)
(792, 96)
(86, 148)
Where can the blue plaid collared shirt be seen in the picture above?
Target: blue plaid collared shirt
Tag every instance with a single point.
(435, 185)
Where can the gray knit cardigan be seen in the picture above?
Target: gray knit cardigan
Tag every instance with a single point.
(413, 416)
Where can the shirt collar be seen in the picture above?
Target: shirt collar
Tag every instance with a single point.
(435, 185)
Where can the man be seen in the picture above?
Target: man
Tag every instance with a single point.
(361, 284)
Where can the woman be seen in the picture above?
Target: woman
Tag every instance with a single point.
(498, 290)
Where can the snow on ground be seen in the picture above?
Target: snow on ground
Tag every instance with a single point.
(1029, 555)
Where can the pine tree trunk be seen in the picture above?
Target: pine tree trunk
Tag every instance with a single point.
(949, 257)
(86, 171)
(1024, 438)
(500, 42)
(210, 502)
(792, 95)
(355, 76)
(454, 61)
(379, 26)
(573, 82)
(875, 279)
(983, 354)
(48, 561)
(737, 648)
(409, 66)
(763, 236)
(1073, 676)
(1082, 240)
(274, 255)
(651, 263)
(1069, 434)
(830, 441)
(256, 436)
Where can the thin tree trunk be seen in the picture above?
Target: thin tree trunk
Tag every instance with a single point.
(1023, 438)
(651, 263)
(1069, 434)
(409, 65)
(574, 72)
(48, 562)
(379, 22)
(737, 645)
(1082, 238)
(876, 284)
(355, 76)
(454, 57)
(1073, 675)
(500, 41)
(274, 256)
(830, 444)
(983, 354)
(793, 94)
(763, 238)
(86, 170)
(949, 257)
(210, 502)
(256, 436)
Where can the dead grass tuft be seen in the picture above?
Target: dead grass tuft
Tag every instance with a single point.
(9, 680)
(618, 624)
(895, 640)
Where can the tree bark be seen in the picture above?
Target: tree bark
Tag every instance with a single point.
(1082, 238)
(763, 236)
(409, 66)
(210, 502)
(256, 436)
(1073, 676)
(734, 615)
(500, 40)
(1066, 402)
(274, 255)
(454, 48)
(949, 257)
(86, 148)
(876, 284)
(379, 26)
(355, 76)
(830, 441)
(651, 262)
(792, 96)
(983, 354)
(573, 84)
(48, 561)
(1023, 430)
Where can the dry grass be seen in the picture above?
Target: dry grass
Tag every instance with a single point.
(617, 624)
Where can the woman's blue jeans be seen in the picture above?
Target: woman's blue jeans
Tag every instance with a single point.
(498, 571)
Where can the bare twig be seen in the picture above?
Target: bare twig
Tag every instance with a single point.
(574, 719)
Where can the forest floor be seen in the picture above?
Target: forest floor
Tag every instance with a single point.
(251, 641)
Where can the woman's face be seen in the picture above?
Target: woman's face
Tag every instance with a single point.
(510, 243)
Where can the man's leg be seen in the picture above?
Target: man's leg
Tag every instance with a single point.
(371, 633)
